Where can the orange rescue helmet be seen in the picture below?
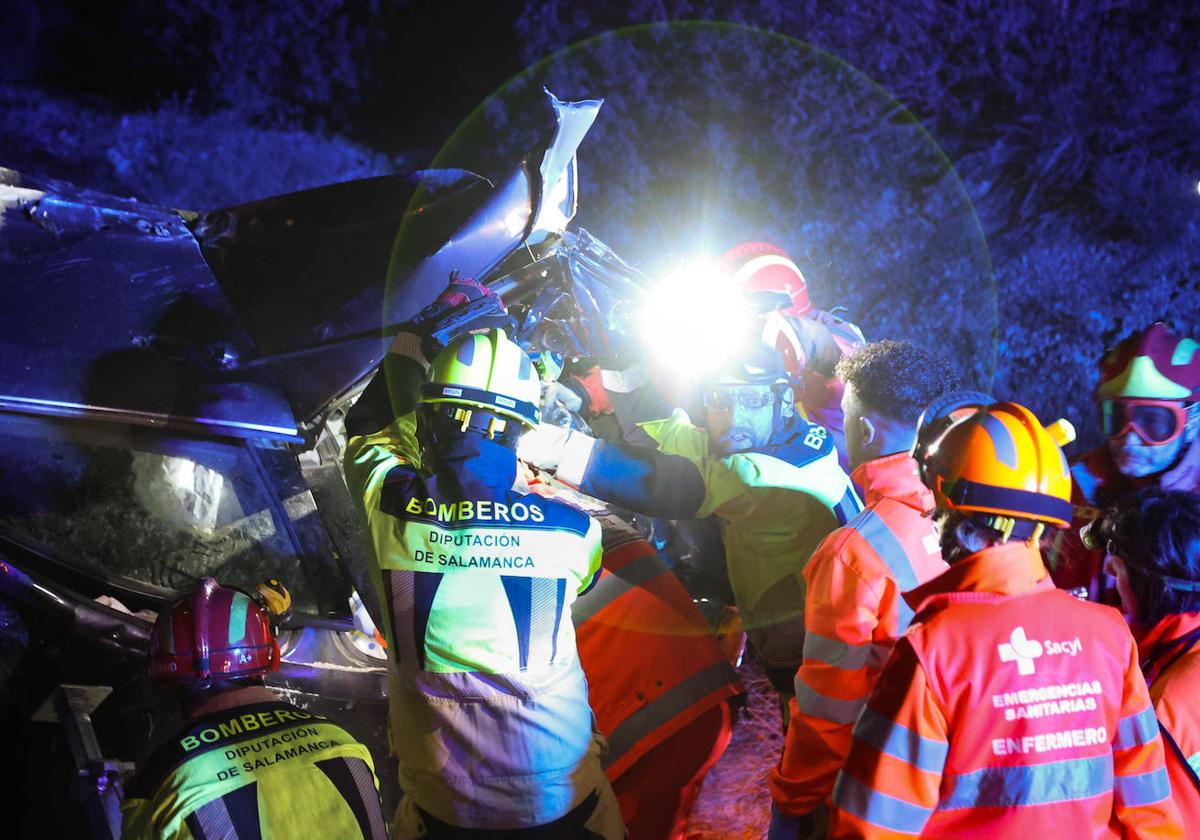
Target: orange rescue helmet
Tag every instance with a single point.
(217, 632)
(1000, 461)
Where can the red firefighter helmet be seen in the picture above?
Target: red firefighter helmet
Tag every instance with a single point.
(1154, 364)
(217, 632)
(764, 267)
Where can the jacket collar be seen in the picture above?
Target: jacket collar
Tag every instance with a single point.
(1013, 568)
(226, 700)
(1166, 631)
(893, 477)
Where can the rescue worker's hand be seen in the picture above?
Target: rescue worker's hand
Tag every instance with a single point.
(786, 827)
(543, 446)
(463, 306)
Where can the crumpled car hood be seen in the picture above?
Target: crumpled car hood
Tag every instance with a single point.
(250, 321)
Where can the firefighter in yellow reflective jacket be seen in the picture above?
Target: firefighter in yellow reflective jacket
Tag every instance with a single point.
(246, 764)
(489, 710)
(771, 478)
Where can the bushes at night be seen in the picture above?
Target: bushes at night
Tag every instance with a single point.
(172, 156)
(1087, 106)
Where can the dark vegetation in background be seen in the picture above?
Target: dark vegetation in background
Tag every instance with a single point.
(1073, 125)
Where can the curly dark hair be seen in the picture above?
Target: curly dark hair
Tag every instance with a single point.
(897, 379)
(1156, 533)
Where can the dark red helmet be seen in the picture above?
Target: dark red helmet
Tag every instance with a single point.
(217, 632)
(764, 267)
(1153, 363)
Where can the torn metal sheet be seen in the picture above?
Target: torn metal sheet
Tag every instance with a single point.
(110, 312)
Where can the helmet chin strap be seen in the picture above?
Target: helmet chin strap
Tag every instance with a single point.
(781, 427)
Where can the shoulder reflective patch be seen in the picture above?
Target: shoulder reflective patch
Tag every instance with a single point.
(879, 536)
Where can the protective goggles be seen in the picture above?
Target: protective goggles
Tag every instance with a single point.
(1157, 422)
(749, 397)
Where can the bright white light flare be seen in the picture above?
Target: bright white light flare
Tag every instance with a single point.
(694, 321)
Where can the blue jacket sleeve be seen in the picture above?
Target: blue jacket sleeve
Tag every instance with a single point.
(645, 481)
(392, 393)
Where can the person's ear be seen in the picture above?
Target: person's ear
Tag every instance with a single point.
(868, 431)
(968, 536)
(787, 404)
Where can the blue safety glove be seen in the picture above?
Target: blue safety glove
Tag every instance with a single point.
(786, 827)
(462, 307)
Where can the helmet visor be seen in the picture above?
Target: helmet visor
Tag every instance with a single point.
(1157, 422)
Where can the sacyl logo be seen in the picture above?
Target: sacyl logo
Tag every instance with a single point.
(1024, 650)
(1021, 649)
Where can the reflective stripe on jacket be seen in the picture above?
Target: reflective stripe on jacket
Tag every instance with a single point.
(257, 771)
(489, 710)
(1174, 689)
(652, 663)
(1010, 709)
(853, 616)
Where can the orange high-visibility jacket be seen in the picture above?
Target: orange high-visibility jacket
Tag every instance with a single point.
(1174, 689)
(1011, 709)
(853, 616)
(652, 663)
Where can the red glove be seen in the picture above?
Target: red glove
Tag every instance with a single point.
(464, 305)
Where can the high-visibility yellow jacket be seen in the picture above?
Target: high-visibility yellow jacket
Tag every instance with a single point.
(489, 710)
(774, 506)
(267, 769)
(853, 616)
(1008, 709)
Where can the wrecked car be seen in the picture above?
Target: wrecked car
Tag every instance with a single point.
(172, 387)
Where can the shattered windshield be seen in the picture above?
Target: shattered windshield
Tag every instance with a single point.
(162, 510)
